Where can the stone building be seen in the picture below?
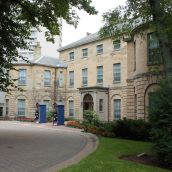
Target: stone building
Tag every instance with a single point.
(96, 77)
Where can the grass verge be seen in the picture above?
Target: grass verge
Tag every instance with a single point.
(105, 158)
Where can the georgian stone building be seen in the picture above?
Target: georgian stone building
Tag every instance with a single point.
(115, 78)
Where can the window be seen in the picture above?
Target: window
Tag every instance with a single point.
(100, 74)
(47, 78)
(71, 78)
(21, 107)
(47, 103)
(71, 108)
(85, 52)
(7, 106)
(100, 49)
(100, 105)
(71, 56)
(117, 72)
(116, 45)
(22, 77)
(154, 55)
(61, 79)
(84, 76)
(117, 109)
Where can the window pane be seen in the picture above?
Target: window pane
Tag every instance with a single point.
(117, 109)
(47, 78)
(85, 52)
(100, 74)
(22, 77)
(61, 79)
(7, 106)
(84, 76)
(117, 72)
(154, 55)
(21, 107)
(100, 49)
(117, 45)
(71, 78)
(71, 108)
(101, 105)
(71, 56)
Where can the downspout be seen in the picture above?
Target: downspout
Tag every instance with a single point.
(108, 106)
(55, 84)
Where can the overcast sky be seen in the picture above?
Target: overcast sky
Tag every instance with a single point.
(88, 23)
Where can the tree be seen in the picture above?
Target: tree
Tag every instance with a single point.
(141, 14)
(17, 17)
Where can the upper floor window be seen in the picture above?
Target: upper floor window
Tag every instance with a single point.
(84, 77)
(99, 49)
(21, 106)
(117, 72)
(61, 77)
(71, 56)
(47, 78)
(154, 55)
(71, 78)
(85, 52)
(100, 74)
(117, 109)
(71, 108)
(116, 45)
(22, 77)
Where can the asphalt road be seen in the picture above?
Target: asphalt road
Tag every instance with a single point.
(31, 148)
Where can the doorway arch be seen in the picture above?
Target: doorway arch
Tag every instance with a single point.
(88, 102)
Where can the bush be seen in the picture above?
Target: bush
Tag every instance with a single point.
(49, 116)
(74, 124)
(132, 129)
(90, 118)
(160, 115)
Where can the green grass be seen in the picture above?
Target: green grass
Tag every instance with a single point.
(105, 158)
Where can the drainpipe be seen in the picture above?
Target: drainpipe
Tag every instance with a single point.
(55, 85)
(108, 106)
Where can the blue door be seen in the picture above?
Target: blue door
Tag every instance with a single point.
(42, 113)
(60, 114)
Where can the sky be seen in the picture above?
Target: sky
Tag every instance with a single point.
(88, 23)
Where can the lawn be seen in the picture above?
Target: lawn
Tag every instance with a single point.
(105, 158)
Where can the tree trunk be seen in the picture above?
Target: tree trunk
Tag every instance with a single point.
(164, 42)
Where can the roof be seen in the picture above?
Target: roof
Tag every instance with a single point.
(89, 38)
(46, 61)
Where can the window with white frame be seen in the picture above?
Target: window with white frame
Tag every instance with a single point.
(100, 74)
(84, 77)
(71, 56)
(100, 105)
(117, 109)
(61, 77)
(21, 106)
(71, 108)
(116, 45)
(47, 78)
(85, 52)
(99, 49)
(71, 78)
(22, 77)
(117, 72)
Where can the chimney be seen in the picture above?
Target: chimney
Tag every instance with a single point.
(88, 33)
(37, 51)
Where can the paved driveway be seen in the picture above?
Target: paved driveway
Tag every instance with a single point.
(28, 147)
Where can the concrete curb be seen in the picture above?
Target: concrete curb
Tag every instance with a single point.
(91, 146)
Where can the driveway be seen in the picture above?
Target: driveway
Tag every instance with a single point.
(27, 147)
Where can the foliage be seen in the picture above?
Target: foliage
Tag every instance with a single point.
(49, 116)
(137, 15)
(132, 129)
(17, 17)
(74, 124)
(106, 157)
(160, 114)
(90, 118)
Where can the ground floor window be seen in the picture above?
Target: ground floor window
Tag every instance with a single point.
(71, 108)
(7, 106)
(1, 111)
(21, 106)
(117, 109)
(100, 105)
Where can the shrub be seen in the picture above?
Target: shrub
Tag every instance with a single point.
(132, 129)
(49, 116)
(160, 115)
(74, 124)
(90, 118)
